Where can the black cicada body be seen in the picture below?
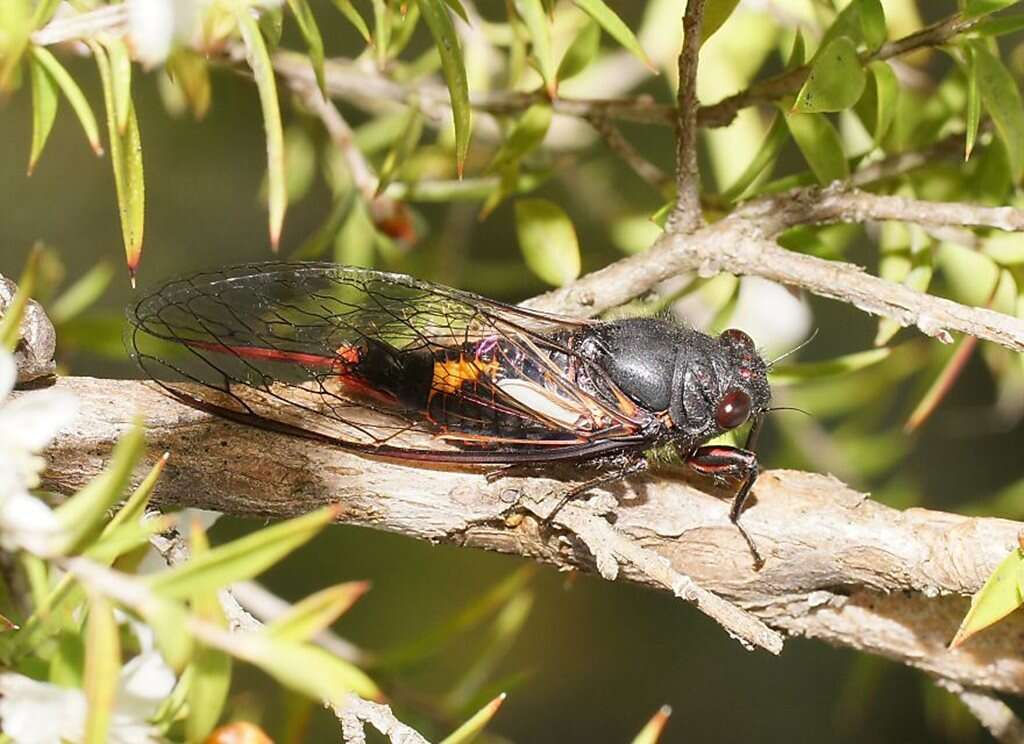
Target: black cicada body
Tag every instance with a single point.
(390, 366)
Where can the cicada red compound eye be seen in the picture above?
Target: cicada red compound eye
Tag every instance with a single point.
(733, 410)
(738, 338)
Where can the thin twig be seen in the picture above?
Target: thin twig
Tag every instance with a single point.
(739, 245)
(688, 215)
(722, 113)
(622, 147)
(992, 713)
(841, 204)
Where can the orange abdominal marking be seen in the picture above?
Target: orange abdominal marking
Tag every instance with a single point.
(450, 376)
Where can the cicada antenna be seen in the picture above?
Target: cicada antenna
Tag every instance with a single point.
(773, 409)
(794, 350)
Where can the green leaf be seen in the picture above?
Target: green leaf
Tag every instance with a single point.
(1002, 99)
(240, 559)
(14, 39)
(820, 144)
(311, 34)
(349, 11)
(121, 80)
(191, 73)
(766, 155)
(872, 23)
(877, 106)
(536, 21)
(263, 71)
(86, 290)
(403, 147)
(211, 667)
(972, 112)
(102, 668)
(134, 509)
(581, 52)
(317, 612)
(460, 11)
(1001, 25)
(44, 109)
(975, 8)
(783, 374)
(82, 514)
(716, 12)
(548, 241)
(614, 27)
(126, 159)
(652, 731)
(473, 727)
(435, 13)
(1000, 595)
(74, 95)
(527, 134)
(44, 12)
(836, 80)
(10, 323)
(307, 669)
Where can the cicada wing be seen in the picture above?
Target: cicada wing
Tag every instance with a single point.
(283, 342)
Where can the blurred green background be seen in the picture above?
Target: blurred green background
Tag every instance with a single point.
(593, 661)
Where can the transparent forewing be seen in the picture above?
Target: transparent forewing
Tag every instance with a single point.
(370, 359)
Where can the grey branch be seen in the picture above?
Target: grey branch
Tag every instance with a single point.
(687, 215)
(840, 567)
(741, 244)
(996, 716)
(840, 204)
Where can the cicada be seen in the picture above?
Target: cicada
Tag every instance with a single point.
(391, 366)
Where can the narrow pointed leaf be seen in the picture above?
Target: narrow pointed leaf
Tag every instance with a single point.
(614, 27)
(581, 52)
(311, 33)
(191, 73)
(788, 373)
(877, 106)
(74, 95)
(102, 668)
(10, 323)
(403, 147)
(85, 290)
(652, 731)
(82, 514)
(126, 159)
(44, 12)
(240, 559)
(766, 155)
(317, 612)
(872, 23)
(1000, 595)
(836, 80)
(548, 241)
(348, 10)
(820, 144)
(299, 666)
(1002, 99)
(263, 72)
(526, 135)
(537, 25)
(435, 13)
(211, 667)
(121, 79)
(972, 114)
(44, 109)
(716, 12)
(975, 8)
(473, 727)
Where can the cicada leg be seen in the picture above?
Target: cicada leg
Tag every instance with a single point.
(620, 467)
(734, 463)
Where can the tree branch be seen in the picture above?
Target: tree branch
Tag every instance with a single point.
(996, 716)
(839, 567)
(841, 204)
(688, 215)
(773, 88)
(739, 245)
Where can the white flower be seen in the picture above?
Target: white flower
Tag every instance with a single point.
(33, 712)
(27, 425)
